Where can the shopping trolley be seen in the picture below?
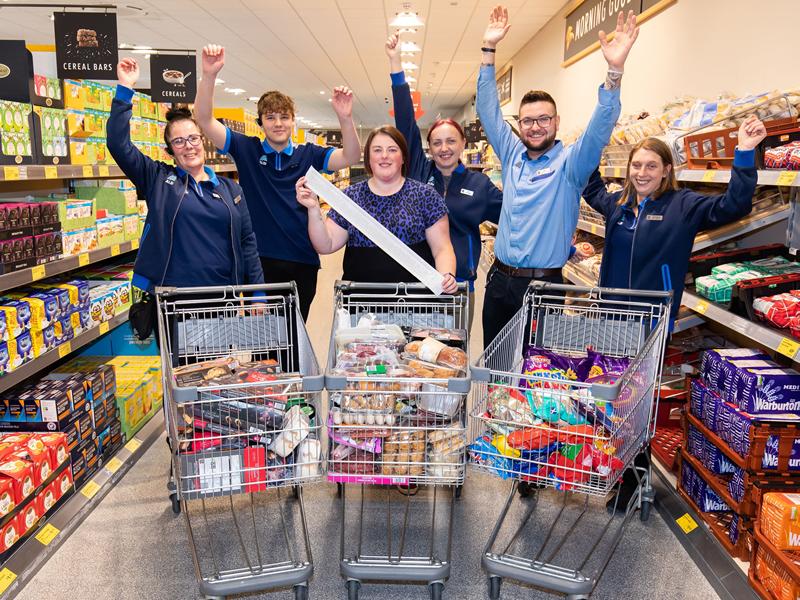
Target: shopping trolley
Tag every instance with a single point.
(394, 430)
(547, 430)
(242, 410)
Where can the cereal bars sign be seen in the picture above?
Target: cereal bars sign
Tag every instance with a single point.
(86, 45)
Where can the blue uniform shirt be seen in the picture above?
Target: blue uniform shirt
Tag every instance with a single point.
(541, 196)
(268, 179)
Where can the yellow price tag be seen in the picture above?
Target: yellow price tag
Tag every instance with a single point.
(617, 172)
(37, 272)
(133, 445)
(90, 489)
(113, 465)
(7, 577)
(701, 307)
(11, 173)
(115, 250)
(51, 172)
(687, 523)
(786, 178)
(64, 349)
(87, 170)
(104, 172)
(135, 244)
(83, 259)
(708, 176)
(103, 327)
(593, 229)
(47, 534)
(788, 347)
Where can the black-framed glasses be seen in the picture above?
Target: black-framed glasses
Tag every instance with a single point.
(180, 142)
(529, 122)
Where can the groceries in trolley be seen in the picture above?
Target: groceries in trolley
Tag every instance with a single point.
(396, 421)
(248, 427)
(546, 424)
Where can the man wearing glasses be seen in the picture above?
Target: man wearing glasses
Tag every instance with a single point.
(542, 180)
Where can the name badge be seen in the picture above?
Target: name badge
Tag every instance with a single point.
(216, 195)
(655, 217)
(237, 199)
(467, 192)
(542, 174)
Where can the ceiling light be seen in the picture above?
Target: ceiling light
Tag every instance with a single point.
(235, 91)
(330, 99)
(409, 47)
(406, 30)
(406, 19)
(219, 81)
(147, 57)
(138, 47)
(252, 98)
(322, 92)
(409, 66)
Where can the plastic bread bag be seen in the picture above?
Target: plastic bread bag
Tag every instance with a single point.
(382, 333)
(449, 337)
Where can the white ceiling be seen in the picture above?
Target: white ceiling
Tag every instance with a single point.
(304, 47)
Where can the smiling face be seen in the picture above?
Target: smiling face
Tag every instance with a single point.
(537, 136)
(186, 143)
(278, 127)
(647, 172)
(446, 145)
(385, 158)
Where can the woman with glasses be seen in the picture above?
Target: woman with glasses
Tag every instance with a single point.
(198, 230)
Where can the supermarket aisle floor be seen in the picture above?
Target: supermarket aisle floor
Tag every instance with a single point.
(132, 546)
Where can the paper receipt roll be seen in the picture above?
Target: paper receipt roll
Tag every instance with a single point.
(377, 233)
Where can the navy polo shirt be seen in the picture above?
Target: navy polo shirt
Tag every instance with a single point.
(268, 179)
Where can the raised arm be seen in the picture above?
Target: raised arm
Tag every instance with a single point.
(325, 235)
(213, 59)
(350, 152)
(498, 132)
(140, 169)
(598, 197)
(404, 118)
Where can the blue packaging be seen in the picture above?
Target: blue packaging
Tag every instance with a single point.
(770, 458)
(697, 398)
(733, 532)
(769, 391)
(736, 485)
(712, 360)
(729, 375)
(711, 404)
(695, 443)
(715, 461)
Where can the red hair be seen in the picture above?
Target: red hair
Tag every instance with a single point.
(440, 122)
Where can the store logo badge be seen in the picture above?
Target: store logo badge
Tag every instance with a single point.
(263, 160)
(171, 179)
(5, 71)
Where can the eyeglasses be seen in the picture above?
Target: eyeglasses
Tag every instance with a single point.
(180, 142)
(528, 122)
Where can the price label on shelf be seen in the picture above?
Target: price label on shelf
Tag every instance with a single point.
(135, 244)
(113, 465)
(133, 445)
(104, 172)
(37, 272)
(87, 170)
(7, 577)
(90, 489)
(708, 176)
(47, 534)
(64, 349)
(83, 259)
(11, 173)
(686, 523)
(593, 229)
(788, 347)
(51, 172)
(701, 307)
(103, 327)
(115, 250)
(786, 178)
(618, 172)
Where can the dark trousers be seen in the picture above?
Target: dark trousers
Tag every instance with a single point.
(503, 298)
(303, 274)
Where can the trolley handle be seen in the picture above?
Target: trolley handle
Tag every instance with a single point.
(166, 291)
(405, 287)
(544, 286)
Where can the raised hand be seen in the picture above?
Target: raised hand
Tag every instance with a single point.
(751, 133)
(305, 196)
(128, 72)
(343, 102)
(616, 50)
(213, 60)
(498, 26)
(392, 48)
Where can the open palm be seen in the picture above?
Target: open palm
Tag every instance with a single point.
(498, 25)
(342, 101)
(616, 50)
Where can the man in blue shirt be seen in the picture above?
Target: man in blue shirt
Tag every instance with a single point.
(542, 180)
(268, 172)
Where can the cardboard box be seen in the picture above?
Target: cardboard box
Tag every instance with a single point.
(20, 472)
(56, 444)
(780, 519)
(9, 535)
(29, 516)
(47, 498)
(64, 482)
(7, 496)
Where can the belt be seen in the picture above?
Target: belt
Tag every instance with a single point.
(526, 273)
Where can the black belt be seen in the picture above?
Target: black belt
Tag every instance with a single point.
(526, 273)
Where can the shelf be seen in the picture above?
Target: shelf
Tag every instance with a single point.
(614, 172)
(760, 334)
(765, 176)
(52, 356)
(63, 265)
(479, 166)
(39, 172)
(577, 276)
(593, 228)
(48, 535)
(684, 322)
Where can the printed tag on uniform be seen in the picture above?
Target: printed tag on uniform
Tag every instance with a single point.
(263, 160)
(655, 217)
(216, 195)
(542, 174)
(237, 199)
(171, 179)
(467, 192)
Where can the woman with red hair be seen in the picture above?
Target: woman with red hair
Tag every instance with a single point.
(470, 196)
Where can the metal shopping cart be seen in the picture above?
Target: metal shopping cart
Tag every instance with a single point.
(242, 390)
(396, 432)
(545, 430)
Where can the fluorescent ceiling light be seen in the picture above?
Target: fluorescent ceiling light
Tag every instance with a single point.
(406, 19)
(322, 92)
(252, 99)
(406, 30)
(409, 66)
(409, 47)
(219, 81)
(235, 91)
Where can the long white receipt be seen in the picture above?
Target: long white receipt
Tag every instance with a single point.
(377, 233)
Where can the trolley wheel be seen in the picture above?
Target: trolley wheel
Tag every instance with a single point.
(436, 589)
(353, 585)
(525, 489)
(644, 513)
(301, 592)
(457, 491)
(296, 491)
(339, 490)
(494, 587)
(176, 503)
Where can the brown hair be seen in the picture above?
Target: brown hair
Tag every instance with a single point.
(398, 138)
(440, 122)
(669, 183)
(275, 102)
(538, 96)
(180, 113)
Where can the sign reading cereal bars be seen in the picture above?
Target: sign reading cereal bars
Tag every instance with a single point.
(86, 45)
